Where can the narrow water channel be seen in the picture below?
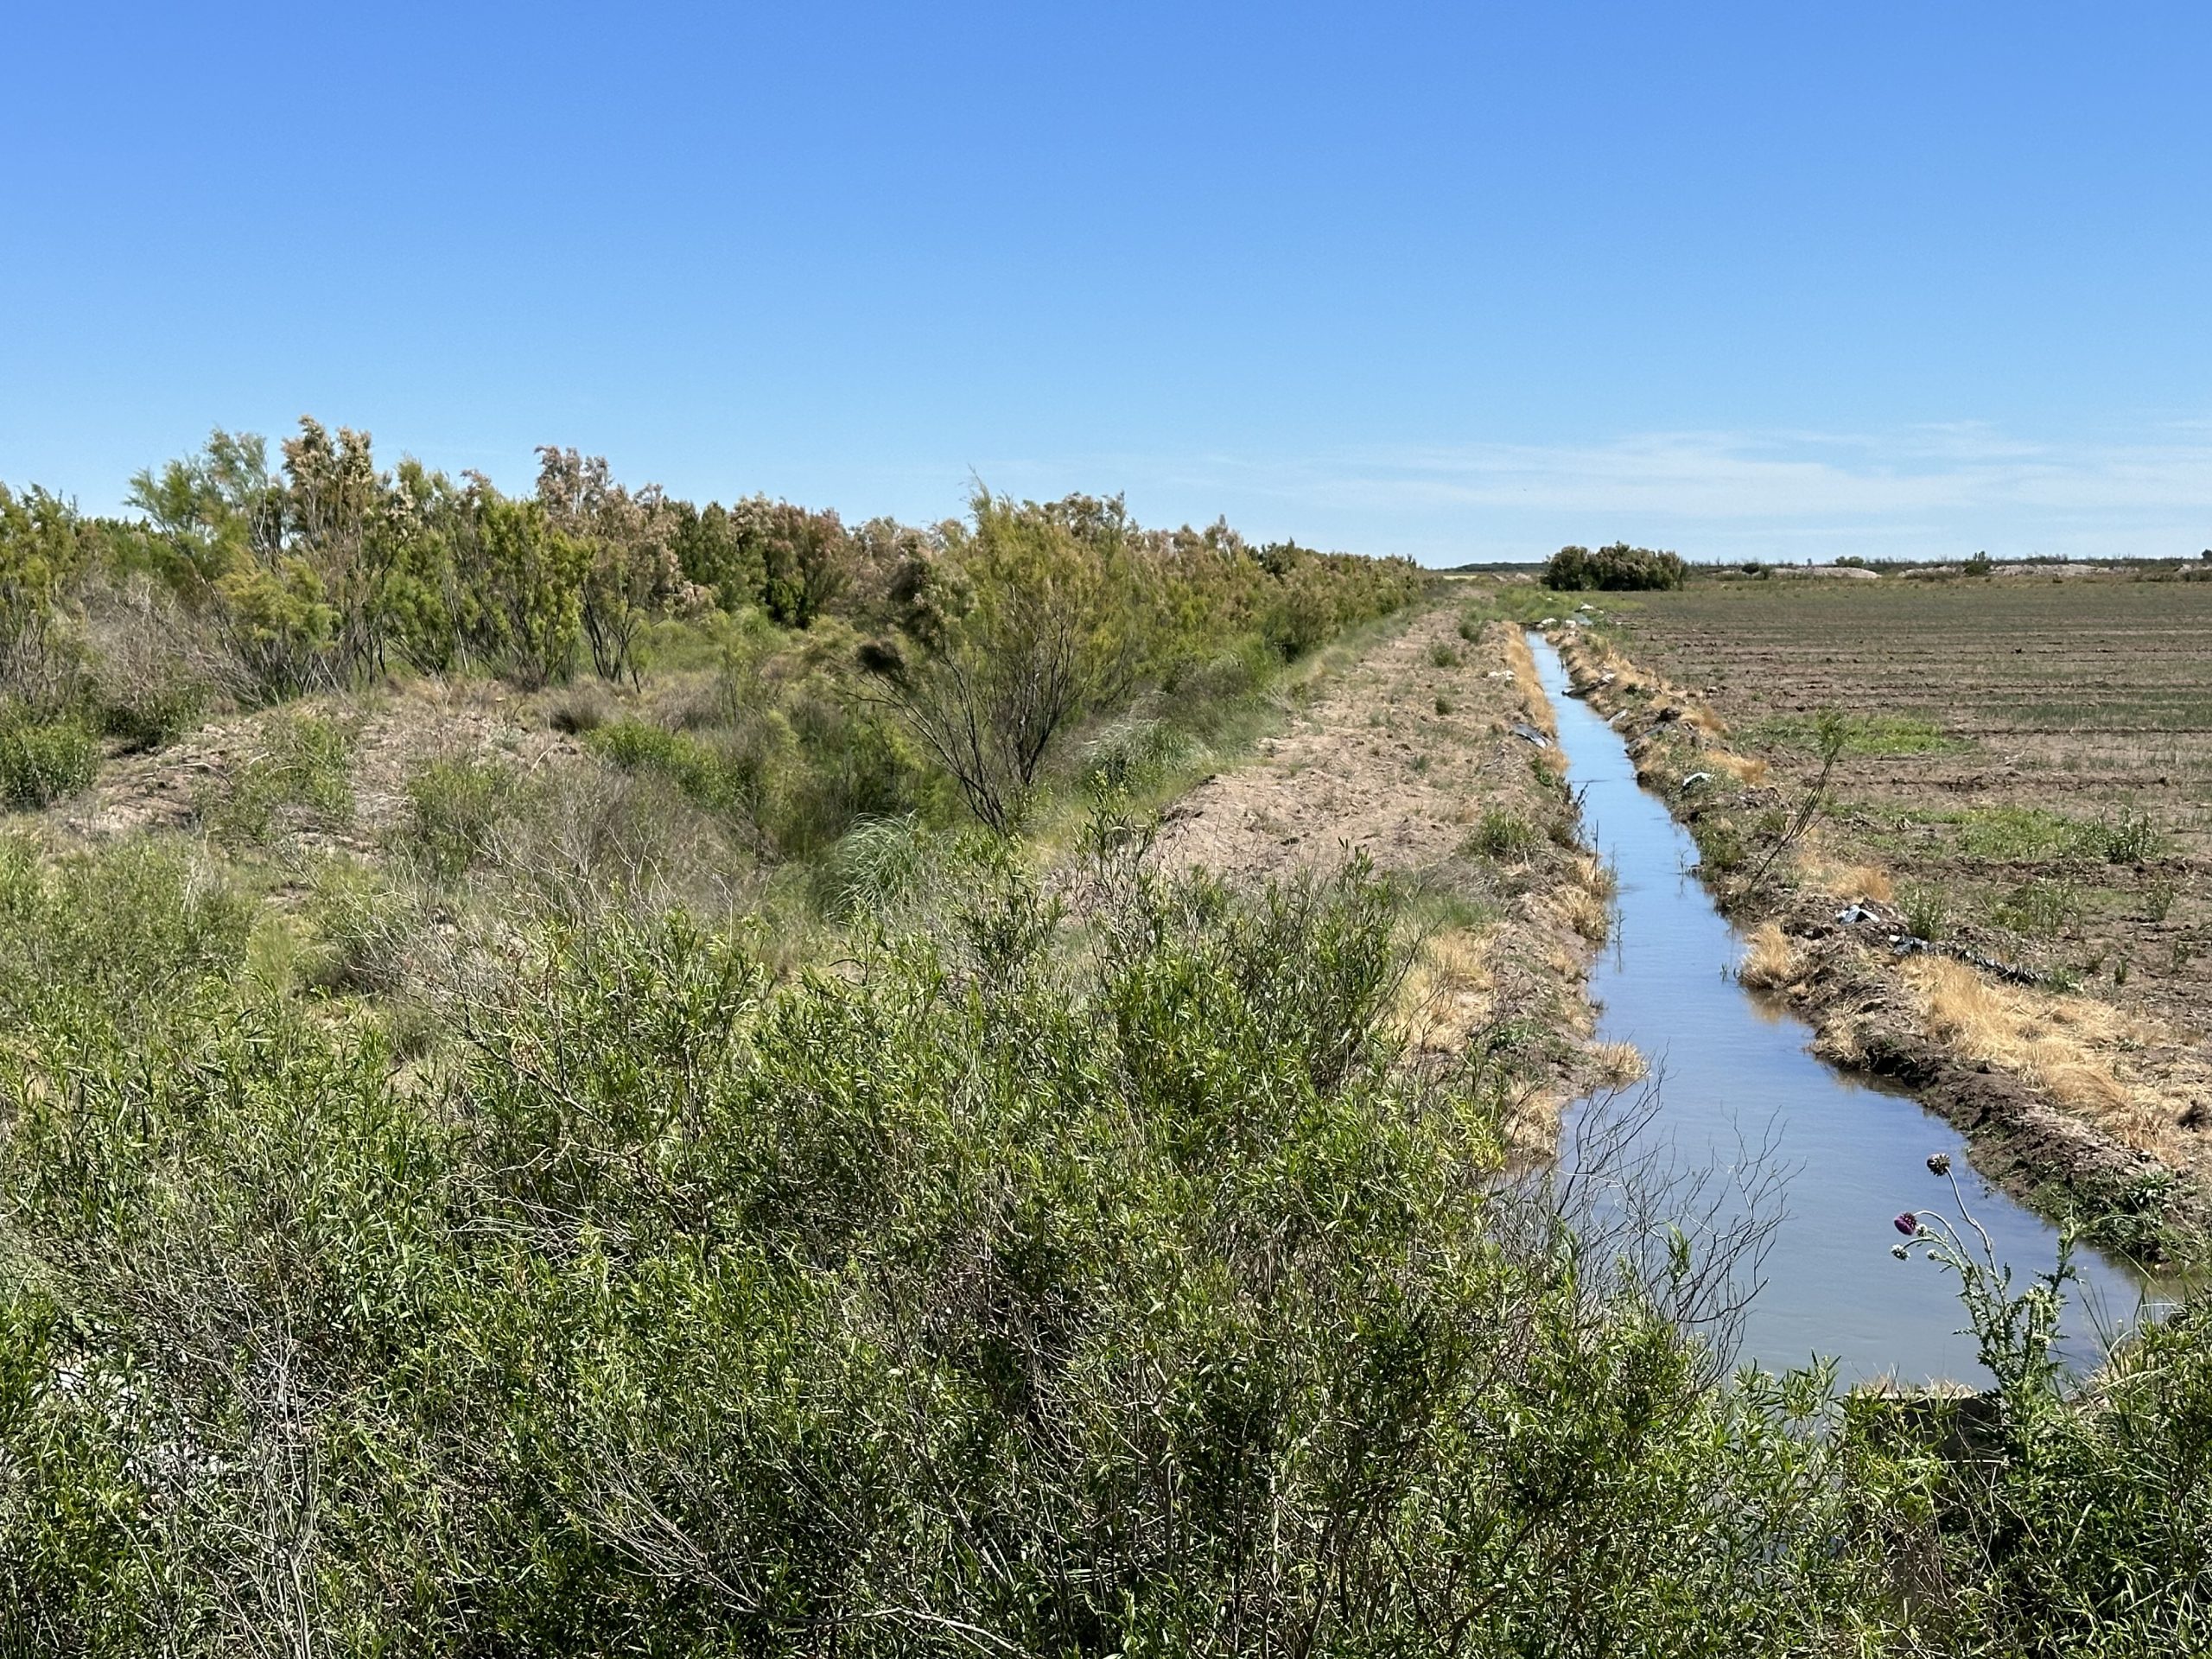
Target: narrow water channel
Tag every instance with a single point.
(1734, 1071)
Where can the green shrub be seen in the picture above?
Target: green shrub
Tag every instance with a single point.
(688, 764)
(582, 841)
(1442, 656)
(121, 937)
(878, 865)
(1132, 753)
(44, 761)
(302, 776)
(154, 715)
(1504, 837)
(1222, 680)
(1721, 844)
(2131, 838)
(1105, 1283)
(1927, 911)
(580, 710)
(823, 764)
(2159, 898)
(1615, 569)
(2041, 909)
(454, 809)
(1303, 614)
(365, 927)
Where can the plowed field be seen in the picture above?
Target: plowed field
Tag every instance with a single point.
(2032, 758)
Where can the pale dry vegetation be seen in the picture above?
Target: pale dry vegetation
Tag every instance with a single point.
(2075, 1048)
(1772, 960)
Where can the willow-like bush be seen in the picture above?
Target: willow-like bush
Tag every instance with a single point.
(1045, 1281)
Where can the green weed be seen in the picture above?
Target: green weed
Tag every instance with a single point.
(153, 714)
(2130, 838)
(2041, 909)
(43, 761)
(302, 774)
(1927, 911)
(1504, 837)
(1862, 735)
(1722, 849)
(455, 807)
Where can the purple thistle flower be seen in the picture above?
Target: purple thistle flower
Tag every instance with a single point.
(1907, 1224)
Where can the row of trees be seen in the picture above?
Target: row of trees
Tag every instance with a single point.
(989, 637)
(327, 570)
(332, 569)
(1036, 615)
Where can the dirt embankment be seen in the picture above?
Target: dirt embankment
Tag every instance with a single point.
(389, 734)
(1433, 757)
(2070, 1103)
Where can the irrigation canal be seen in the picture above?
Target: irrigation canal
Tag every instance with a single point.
(1740, 1094)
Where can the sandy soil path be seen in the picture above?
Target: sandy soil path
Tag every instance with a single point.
(1431, 756)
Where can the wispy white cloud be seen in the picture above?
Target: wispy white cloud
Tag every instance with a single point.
(1928, 491)
(1737, 476)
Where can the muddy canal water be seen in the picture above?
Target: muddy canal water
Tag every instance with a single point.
(1733, 1071)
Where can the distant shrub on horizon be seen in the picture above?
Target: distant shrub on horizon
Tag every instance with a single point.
(1616, 569)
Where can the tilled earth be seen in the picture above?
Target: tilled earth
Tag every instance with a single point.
(2071, 1047)
(2033, 760)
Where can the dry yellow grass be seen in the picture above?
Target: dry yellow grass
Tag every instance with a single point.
(1587, 913)
(1771, 958)
(1587, 900)
(1522, 662)
(1846, 881)
(1448, 990)
(2067, 1045)
(1616, 1066)
(1701, 719)
(1747, 769)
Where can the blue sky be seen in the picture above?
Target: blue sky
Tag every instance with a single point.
(1458, 282)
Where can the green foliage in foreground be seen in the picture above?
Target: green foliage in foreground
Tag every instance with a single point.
(1041, 1283)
